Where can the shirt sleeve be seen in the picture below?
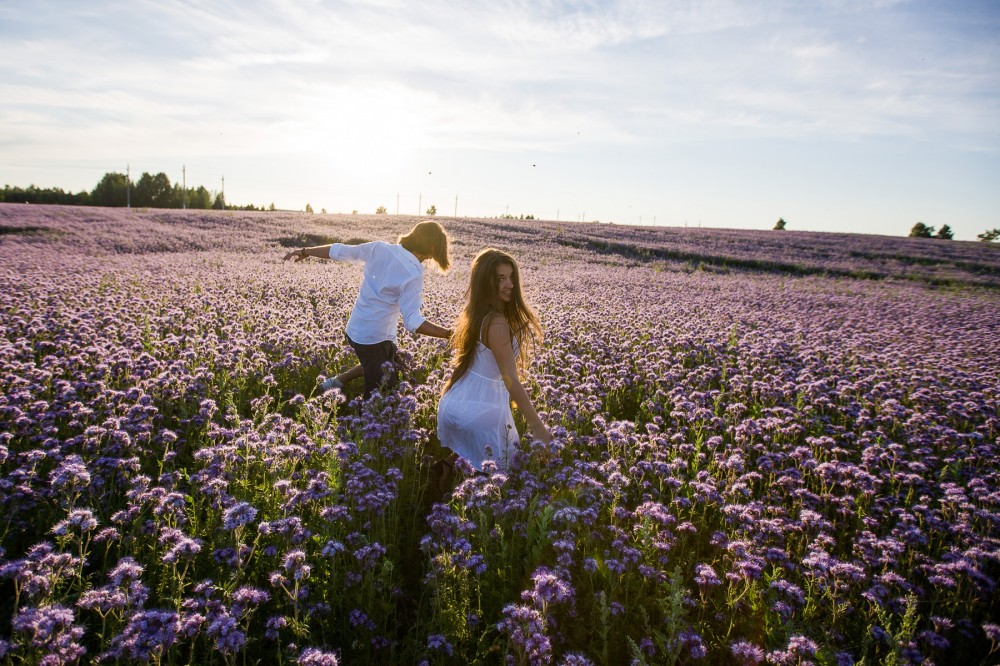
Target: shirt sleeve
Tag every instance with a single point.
(410, 301)
(351, 253)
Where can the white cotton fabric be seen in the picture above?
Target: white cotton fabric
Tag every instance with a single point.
(393, 285)
(474, 417)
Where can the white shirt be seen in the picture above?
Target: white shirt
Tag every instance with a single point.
(393, 285)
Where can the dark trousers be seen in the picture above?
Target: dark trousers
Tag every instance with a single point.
(373, 359)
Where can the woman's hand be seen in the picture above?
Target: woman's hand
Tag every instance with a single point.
(541, 433)
(541, 450)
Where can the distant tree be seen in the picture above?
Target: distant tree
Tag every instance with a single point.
(780, 224)
(309, 208)
(432, 211)
(272, 208)
(43, 195)
(200, 198)
(153, 191)
(989, 235)
(380, 210)
(921, 230)
(219, 203)
(945, 232)
(323, 211)
(111, 190)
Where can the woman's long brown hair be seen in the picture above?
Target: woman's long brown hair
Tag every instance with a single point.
(481, 293)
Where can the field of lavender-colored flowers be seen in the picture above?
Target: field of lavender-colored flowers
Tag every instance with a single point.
(771, 448)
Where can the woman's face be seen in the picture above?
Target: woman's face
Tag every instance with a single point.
(504, 283)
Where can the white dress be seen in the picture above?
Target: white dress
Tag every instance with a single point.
(474, 417)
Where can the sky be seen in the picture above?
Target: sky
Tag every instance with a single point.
(859, 116)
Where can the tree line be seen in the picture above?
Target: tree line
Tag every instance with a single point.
(118, 190)
(921, 230)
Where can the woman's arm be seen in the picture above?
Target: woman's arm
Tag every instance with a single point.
(499, 342)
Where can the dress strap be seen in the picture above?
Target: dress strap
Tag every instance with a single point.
(482, 325)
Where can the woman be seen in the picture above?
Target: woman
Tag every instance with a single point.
(494, 332)
(393, 285)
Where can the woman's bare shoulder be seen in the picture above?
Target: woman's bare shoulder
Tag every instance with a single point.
(495, 318)
(495, 327)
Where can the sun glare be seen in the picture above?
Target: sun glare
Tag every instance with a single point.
(368, 135)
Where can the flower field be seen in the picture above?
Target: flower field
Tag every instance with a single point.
(771, 448)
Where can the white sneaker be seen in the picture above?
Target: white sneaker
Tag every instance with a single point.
(332, 384)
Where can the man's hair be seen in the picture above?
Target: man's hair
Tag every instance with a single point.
(428, 238)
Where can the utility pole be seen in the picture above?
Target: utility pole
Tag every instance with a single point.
(456, 205)
(420, 203)
(223, 193)
(184, 190)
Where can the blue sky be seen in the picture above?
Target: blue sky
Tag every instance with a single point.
(837, 115)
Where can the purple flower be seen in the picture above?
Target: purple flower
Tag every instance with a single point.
(191, 624)
(550, 588)
(704, 576)
(294, 563)
(127, 570)
(358, 618)
(249, 596)
(274, 626)
(148, 634)
(332, 547)
(103, 599)
(746, 653)
(228, 638)
(525, 627)
(844, 659)
(440, 642)
(184, 548)
(51, 628)
(71, 473)
(79, 520)
(107, 534)
(238, 515)
(693, 642)
(316, 657)
(799, 650)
